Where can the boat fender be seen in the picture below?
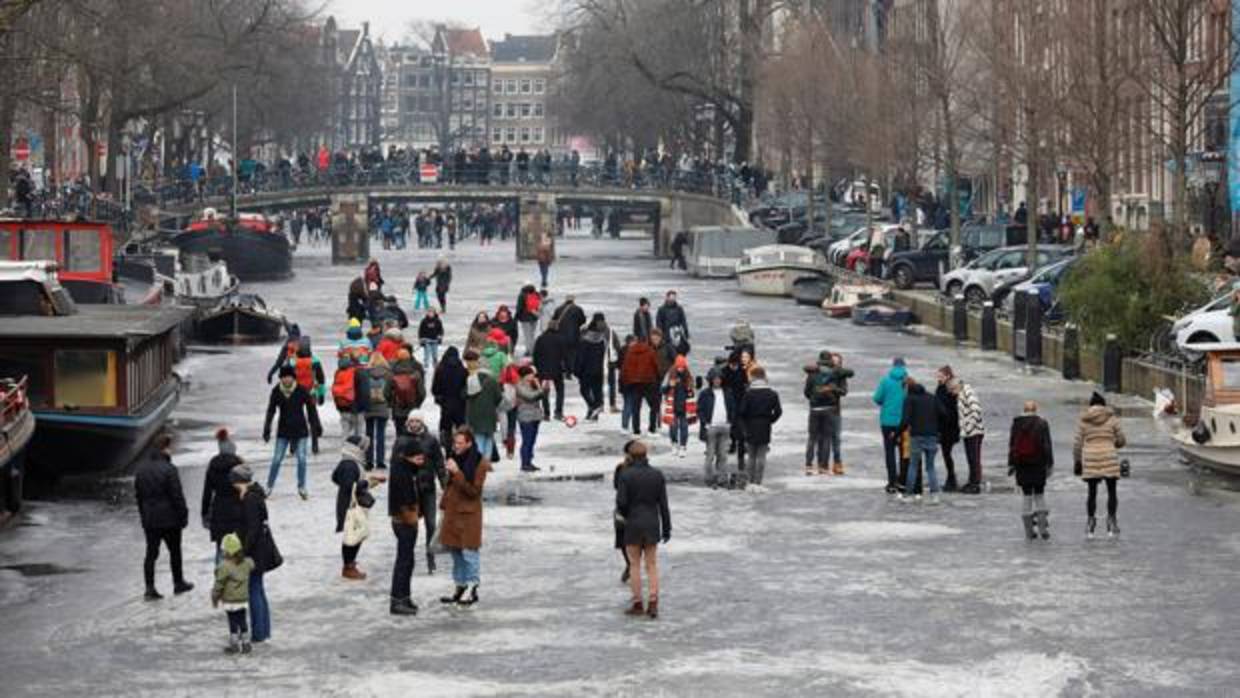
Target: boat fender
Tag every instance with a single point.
(1201, 433)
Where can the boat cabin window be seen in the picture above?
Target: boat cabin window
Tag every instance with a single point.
(6, 243)
(1229, 371)
(15, 363)
(38, 244)
(85, 378)
(83, 250)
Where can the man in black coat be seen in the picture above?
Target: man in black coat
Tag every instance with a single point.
(758, 410)
(298, 423)
(671, 319)
(642, 324)
(549, 362)
(922, 415)
(221, 509)
(570, 318)
(161, 505)
(403, 500)
(430, 476)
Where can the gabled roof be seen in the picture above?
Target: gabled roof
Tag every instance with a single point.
(524, 49)
(459, 42)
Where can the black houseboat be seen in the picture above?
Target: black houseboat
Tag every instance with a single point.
(253, 248)
(16, 430)
(100, 379)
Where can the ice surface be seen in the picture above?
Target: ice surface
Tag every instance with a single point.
(818, 586)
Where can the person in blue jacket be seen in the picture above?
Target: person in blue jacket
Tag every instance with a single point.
(889, 396)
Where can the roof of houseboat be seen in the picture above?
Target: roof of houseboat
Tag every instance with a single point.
(133, 322)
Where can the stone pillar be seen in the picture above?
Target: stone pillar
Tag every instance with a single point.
(960, 318)
(350, 223)
(535, 219)
(1033, 328)
(990, 327)
(671, 221)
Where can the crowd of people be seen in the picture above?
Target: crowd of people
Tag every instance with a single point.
(497, 385)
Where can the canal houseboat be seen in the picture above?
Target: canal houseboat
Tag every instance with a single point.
(773, 270)
(82, 251)
(16, 431)
(100, 377)
(253, 247)
(1214, 440)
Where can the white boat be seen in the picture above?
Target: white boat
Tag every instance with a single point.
(772, 270)
(204, 283)
(715, 250)
(1214, 442)
(845, 295)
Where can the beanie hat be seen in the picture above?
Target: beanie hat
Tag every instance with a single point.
(1097, 399)
(682, 362)
(898, 361)
(240, 473)
(358, 440)
(392, 333)
(415, 416)
(287, 370)
(294, 331)
(227, 447)
(354, 322)
(825, 358)
(403, 354)
(231, 544)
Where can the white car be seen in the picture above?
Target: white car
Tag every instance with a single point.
(978, 279)
(838, 251)
(1209, 324)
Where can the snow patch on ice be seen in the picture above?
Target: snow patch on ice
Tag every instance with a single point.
(887, 531)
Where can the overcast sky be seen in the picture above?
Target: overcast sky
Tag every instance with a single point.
(389, 19)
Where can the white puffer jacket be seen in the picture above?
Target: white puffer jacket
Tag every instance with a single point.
(970, 411)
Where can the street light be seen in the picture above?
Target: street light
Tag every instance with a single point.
(1212, 174)
(1061, 173)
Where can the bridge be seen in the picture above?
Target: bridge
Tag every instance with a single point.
(669, 210)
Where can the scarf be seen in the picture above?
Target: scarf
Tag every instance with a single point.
(287, 392)
(468, 463)
(351, 452)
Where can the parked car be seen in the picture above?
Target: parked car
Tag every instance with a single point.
(1046, 280)
(925, 263)
(1209, 324)
(838, 251)
(979, 278)
(978, 239)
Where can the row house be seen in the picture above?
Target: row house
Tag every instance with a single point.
(356, 86)
(522, 82)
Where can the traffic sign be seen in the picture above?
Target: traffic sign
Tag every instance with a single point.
(21, 150)
(429, 173)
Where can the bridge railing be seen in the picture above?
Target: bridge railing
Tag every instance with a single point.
(717, 182)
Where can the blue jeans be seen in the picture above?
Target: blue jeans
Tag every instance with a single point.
(921, 446)
(529, 436)
(542, 272)
(420, 301)
(679, 430)
(626, 413)
(376, 429)
(430, 354)
(466, 566)
(484, 444)
(260, 612)
(298, 447)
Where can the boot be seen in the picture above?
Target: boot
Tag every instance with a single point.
(430, 563)
(403, 607)
(1112, 527)
(950, 485)
(455, 598)
(471, 599)
(1090, 525)
(234, 644)
(510, 445)
(182, 586)
(1028, 520)
(246, 647)
(652, 608)
(152, 595)
(837, 468)
(636, 609)
(809, 469)
(1044, 524)
(352, 572)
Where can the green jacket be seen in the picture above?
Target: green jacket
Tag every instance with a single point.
(495, 359)
(482, 397)
(232, 581)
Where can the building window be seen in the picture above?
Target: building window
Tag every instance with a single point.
(468, 77)
(512, 135)
(498, 110)
(456, 78)
(498, 87)
(538, 109)
(497, 136)
(538, 134)
(467, 104)
(481, 77)
(525, 134)
(540, 86)
(512, 110)
(525, 110)
(510, 86)
(525, 87)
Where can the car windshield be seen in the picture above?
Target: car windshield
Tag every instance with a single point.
(986, 259)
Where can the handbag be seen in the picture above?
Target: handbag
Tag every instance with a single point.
(356, 522)
(435, 546)
(273, 552)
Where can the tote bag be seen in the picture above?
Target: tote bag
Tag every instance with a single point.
(356, 522)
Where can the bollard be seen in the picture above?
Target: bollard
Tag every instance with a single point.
(1033, 328)
(1071, 352)
(990, 329)
(1112, 365)
(960, 319)
(1018, 326)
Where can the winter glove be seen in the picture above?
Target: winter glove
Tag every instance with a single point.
(1077, 468)
(266, 436)
(206, 522)
(667, 535)
(314, 445)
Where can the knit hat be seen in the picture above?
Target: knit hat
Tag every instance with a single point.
(294, 331)
(358, 440)
(227, 447)
(287, 370)
(712, 374)
(392, 333)
(825, 358)
(681, 362)
(415, 416)
(898, 361)
(1097, 399)
(240, 473)
(354, 322)
(231, 544)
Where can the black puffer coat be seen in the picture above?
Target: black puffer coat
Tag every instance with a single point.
(220, 506)
(641, 499)
(161, 502)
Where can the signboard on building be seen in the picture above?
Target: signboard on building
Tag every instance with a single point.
(21, 150)
(428, 173)
(1078, 199)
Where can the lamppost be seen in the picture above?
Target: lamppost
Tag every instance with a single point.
(1061, 174)
(1212, 173)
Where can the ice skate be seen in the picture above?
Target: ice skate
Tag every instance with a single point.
(1028, 520)
(1112, 527)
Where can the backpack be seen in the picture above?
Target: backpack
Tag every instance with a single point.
(1025, 447)
(303, 367)
(405, 389)
(376, 390)
(342, 388)
(533, 303)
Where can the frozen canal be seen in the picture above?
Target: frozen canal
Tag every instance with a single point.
(818, 587)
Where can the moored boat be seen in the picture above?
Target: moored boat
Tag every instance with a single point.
(16, 431)
(242, 318)
(773, 270)
(882, 312)
(101, 383)
(811, 290)
(844, 296)
(252, 246)
(1214, 441)
(82, 251)
(715, 250)
(204, 283)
